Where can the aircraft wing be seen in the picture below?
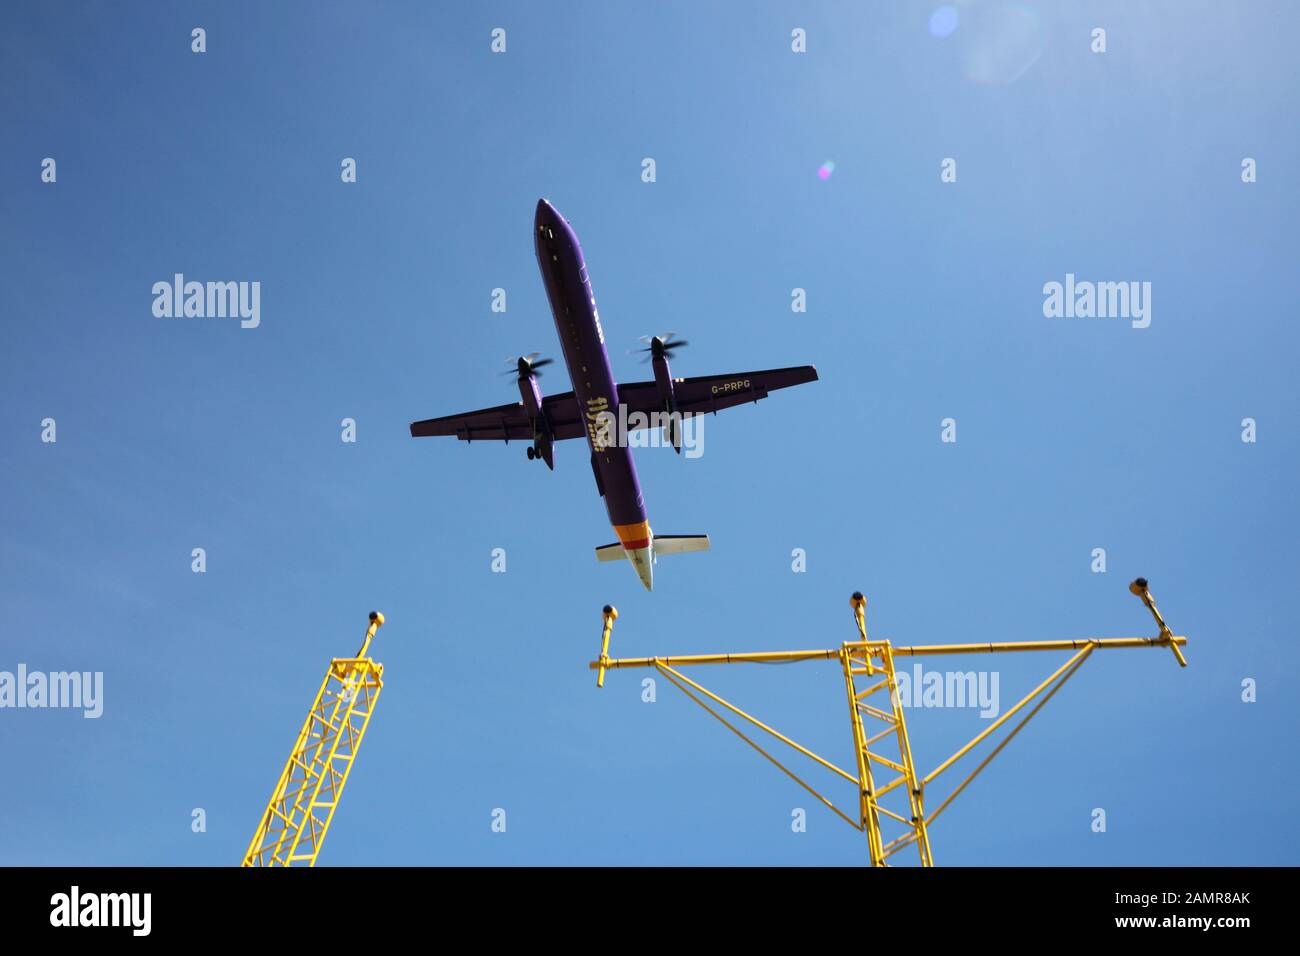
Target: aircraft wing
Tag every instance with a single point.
(505, 422)
(712, 393)
(705, 393)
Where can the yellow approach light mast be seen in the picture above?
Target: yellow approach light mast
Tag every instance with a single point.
(891, 795)
(298, 816)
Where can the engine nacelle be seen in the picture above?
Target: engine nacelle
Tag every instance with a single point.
(531, 394)
(667, 400)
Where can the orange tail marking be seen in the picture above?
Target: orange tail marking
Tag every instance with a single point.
(633, 536)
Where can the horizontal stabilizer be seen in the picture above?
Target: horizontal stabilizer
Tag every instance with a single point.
(680, 543)
(610, 552)
(662, 544)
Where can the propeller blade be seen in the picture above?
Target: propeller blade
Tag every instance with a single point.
(667, 340)
(530, 361)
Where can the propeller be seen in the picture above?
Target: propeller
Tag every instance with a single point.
(660, 345)
(525, 365)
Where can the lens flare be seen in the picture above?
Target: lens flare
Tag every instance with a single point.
(943, 22)
(1003, 42)
(826, 169)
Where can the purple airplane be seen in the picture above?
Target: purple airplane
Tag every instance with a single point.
(596, 400)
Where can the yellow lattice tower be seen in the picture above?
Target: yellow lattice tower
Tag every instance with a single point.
(298, 816)
(877, 718)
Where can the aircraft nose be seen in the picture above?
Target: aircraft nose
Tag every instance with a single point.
(546, 213)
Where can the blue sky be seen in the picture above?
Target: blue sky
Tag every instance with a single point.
(924, 302)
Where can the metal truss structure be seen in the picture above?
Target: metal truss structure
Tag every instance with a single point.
(298, 816)
(891, 793)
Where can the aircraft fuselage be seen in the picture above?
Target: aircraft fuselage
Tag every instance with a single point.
(582, 340)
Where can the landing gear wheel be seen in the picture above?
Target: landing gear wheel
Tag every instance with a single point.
(532, 453)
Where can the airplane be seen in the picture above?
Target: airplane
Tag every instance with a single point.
(596, 397)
